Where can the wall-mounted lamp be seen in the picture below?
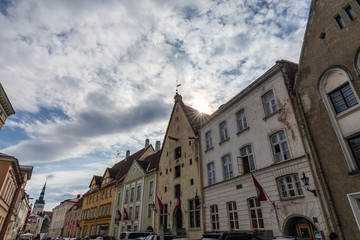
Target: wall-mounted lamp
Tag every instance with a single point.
(152, 205)
(305, 181)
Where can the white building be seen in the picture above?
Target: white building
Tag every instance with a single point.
(256, 132)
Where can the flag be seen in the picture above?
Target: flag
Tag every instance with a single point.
(260, 192)
(126, 215)
(179, 200)
(160, 204)
(119, 215)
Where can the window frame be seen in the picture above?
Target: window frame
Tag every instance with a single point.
(211, 173)
(281, 144)
(256, 208)
(151, 188)
(223, 130)
(138, 192)
(228, 169)
(194, 214)
(208, 140)
(352, 150)
(177, 153)
(233, 216)
(272, 102)
(241, 120)
(177, 171)
(250, 159)
(214, 217)
(344, 98)
(295, 183)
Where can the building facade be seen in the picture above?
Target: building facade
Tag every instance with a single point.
(56, 228)
(72, 219)
(6, 109)
(328, 90)
(256, 134)
(178, 183)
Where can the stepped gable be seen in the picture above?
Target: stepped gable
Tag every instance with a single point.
(150, 163)
(124, 165)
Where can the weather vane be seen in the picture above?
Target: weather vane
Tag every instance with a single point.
(177, 86)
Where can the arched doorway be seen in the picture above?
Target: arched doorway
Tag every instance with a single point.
(178, 218)
(300, 227)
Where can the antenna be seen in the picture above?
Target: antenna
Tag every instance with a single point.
(177, 86)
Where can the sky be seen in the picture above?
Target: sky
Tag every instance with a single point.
(89, 80)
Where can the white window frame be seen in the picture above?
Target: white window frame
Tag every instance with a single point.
(194, 214)
(149, 210)
(241, 120)
(282, 144)
(287, 187)
(256, 209)
(354, 199)
(245, 153)
(208, 139)
(151, 188)
(227, 167)
(232, 214)
(211, 173)
(214, 217)
(269, 103)
(138, 193)
(223, 131)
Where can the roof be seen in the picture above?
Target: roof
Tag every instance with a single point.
(150, 163)
(5, 102)
(112, 172)
(14, 162)
(77, 205)
(48, 213)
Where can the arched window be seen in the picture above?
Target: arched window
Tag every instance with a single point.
(178, 152)
(357, 62)
(342, 103)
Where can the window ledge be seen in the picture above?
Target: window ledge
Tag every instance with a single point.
(271, 114)
(291, 198)
(209, 149)
(348, 111)
(354, 173)
(194, 229)
(241, 131)
(226, 140)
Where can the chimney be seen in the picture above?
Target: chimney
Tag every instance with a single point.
(157, 146)
(127, 153)
(78, 196)
(146, 142)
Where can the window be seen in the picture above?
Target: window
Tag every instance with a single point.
(350, 12)
(247, 157)
(269, 102)
(354, 199)
(177, 189)
(119, 198)
(228, 171)
(149, 210)
(126, 195)
(255, 213)
(211, 171)
(103, 194)
(108, 210)
(151, 188)
(354, 144)
(97, 197)
(223, 131)
(208, 140)
(138, 192)
(178, 152)
(106, 194)
(192, 181)
(194, 213)
(289, 186)
(214, 216)
(130, 213)
(132, 193)
(177, 171)
(343, 98)
(339, 21)
(164, 216)
(136, 212)
(241, 120)
(111, 191)
(280, 146)
(233, 215)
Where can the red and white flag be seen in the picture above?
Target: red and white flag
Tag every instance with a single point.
(260, 192)
(119, 215)
(160, 204)
(126, 215)
(179, 200)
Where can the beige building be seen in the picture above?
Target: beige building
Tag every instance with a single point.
(178, 183)
(328, 95)
(56, 228)
(6, 109)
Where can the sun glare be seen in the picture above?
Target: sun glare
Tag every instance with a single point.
(202, 105)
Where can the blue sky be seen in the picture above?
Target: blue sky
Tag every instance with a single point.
(91, 79)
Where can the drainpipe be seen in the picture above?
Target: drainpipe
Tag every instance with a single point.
(202, 197)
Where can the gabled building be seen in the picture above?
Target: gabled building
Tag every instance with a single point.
(98, 201)
(56, 228)
(72, 219)
(135, 193)
(328, 94)
(256, 134)
(178, 184)
(6, 109)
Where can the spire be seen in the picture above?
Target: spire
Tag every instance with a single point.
(42, 194)
(177, 97)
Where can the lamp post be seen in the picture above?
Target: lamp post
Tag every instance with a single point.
(306, 183)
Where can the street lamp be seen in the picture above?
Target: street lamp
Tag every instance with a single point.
(152, 205)
(305, 181)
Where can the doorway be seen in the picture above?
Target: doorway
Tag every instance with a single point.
(300, 227)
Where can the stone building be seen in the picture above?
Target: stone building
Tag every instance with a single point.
(72, 219)
(178, 183)
(328, 90)
(256, 134)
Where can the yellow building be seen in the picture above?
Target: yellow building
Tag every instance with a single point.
(178, 177)
(5, 107)
(98, 201)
